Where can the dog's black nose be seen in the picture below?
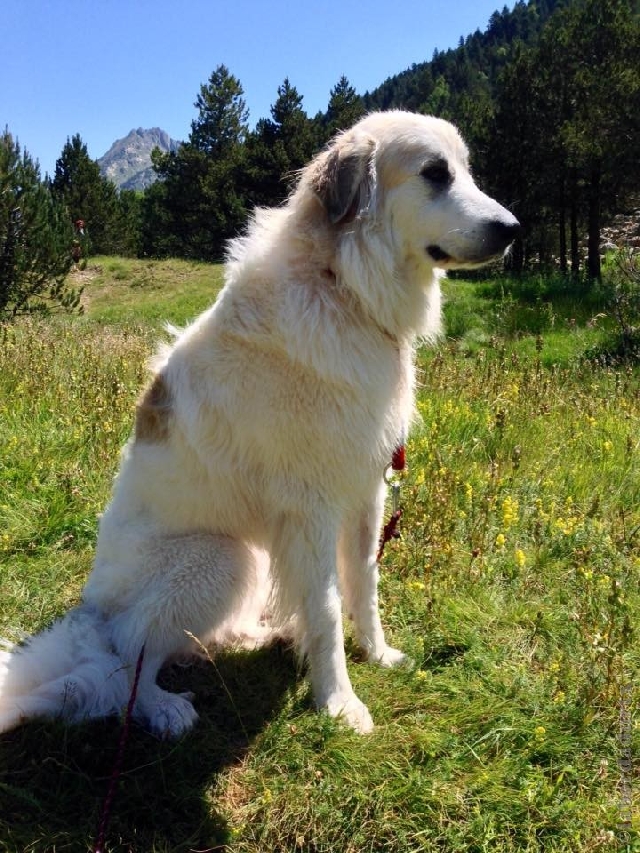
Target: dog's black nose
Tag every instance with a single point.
(503, 232)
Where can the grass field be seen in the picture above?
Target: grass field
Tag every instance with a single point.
(514, 590)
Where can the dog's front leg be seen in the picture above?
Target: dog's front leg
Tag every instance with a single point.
(359, 574)
(307, 580)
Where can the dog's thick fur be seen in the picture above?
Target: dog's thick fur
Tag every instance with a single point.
(266, 431)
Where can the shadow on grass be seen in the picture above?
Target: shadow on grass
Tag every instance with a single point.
(53, 778)
(439, 657)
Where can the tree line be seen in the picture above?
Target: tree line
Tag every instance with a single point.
(208, 186)
(548, 98)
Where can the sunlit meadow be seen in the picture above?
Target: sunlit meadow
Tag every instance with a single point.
(514, 589)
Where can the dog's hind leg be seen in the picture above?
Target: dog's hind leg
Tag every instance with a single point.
(186, 586)
(166, 714)
(307, 581)
(359, 580)
(253, 625)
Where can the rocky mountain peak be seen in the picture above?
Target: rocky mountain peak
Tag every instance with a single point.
(128, 162)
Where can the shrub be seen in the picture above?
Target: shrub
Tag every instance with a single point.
(621, 285)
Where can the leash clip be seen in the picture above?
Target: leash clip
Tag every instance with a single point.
(395, 496)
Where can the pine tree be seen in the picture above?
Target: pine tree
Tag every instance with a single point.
(35, 238)
(126, 226)
(344, 109)
(292, 129)
(197, 204)
(222, 118)
(87, 196)
(278, 147)
(439, 100)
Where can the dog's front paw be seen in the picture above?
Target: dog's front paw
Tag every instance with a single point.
(351, 710)
(389, 657)
(172, 716)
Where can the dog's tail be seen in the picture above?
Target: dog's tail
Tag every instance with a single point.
(68, 671)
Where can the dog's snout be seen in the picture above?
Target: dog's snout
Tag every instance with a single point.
(502, 232)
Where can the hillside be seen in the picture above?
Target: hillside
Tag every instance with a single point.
(128, 162)
(469, 71)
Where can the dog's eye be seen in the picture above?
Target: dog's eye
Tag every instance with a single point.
(437, 173)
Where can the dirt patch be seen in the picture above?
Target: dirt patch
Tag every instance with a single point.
(78, 278)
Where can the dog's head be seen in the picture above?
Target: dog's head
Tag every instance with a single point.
(408, 175)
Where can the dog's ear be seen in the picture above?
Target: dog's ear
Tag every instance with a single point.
(344, 179)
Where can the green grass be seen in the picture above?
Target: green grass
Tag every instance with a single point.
(569, 321)
(514, 590)
(150, 292)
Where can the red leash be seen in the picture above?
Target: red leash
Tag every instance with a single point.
(390, 530)
(117, 766)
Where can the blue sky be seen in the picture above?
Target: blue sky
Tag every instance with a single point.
(102, 67)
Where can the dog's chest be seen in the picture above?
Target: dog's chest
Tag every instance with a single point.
(322, 403)
(359, 425)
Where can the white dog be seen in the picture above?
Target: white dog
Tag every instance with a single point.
(266, 430)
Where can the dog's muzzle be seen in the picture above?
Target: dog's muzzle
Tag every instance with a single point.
(493, 238)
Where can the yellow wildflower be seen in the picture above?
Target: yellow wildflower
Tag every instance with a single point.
(509, 511)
